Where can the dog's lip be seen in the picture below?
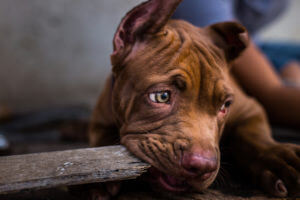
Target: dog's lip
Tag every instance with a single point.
(168, 182)
(175, 184)
(172, 184)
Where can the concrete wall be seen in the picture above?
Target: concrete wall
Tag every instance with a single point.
(287, 27)
(56, 52)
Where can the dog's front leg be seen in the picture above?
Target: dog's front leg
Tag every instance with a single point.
(102, 128)
(102, 132)
(273, 166)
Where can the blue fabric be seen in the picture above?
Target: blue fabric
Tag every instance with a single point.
(254, 14)
(205, 12)
(280, 53)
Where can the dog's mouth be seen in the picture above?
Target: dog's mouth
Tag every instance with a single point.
(168, 182)
(173, 184)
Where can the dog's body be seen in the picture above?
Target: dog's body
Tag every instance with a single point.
(171, 96)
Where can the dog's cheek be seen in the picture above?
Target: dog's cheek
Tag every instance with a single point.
(221, 119)
(133, 143)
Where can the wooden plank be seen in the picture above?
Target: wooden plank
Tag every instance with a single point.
(72, 167)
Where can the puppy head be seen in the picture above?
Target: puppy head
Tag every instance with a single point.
(171, 94)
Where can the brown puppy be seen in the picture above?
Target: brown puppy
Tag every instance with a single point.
(171, 96)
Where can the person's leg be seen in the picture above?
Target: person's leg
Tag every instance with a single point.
(290, 73)
(256, 74)
(286, 59)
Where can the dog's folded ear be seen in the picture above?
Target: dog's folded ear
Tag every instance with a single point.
(148, 17)
(232, 37)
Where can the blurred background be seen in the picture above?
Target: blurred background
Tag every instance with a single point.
(56, 53)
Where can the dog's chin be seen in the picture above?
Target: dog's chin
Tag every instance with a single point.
(177, 184)
(167, 182)
(173, 184)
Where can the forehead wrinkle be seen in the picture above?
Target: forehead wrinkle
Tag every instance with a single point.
(209, 53)
(196, 68)
(167, 76)
(188, 68)
(182, 72)
(153, 70)
(156, 53)
(175, 53)
(204, 58)
(209, 68)
(165, 55)
(180, 55)
(208, 77)
(186, 58)
(216, 94)
(217, 53)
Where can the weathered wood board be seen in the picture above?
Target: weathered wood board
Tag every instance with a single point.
(72, 167)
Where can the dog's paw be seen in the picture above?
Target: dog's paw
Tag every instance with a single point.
(277, 170)
(97, 191)
(104, 191)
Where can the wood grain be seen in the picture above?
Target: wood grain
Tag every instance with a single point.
(72, 167)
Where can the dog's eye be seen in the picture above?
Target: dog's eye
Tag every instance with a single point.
(160, 97)
(225, 106)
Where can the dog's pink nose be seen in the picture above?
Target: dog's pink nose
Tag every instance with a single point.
(199, 164)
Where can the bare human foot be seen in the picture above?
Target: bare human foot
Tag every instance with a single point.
(290, 73)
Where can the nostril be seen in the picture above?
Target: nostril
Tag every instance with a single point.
(198, 164)
(193, 170)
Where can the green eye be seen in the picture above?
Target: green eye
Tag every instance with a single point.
(160, 97)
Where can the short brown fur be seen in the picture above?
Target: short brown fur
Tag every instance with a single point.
(194, 65)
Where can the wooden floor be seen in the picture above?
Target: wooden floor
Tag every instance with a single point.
(45, 141)
(210, 194)
(233, 191)
(133, 190)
